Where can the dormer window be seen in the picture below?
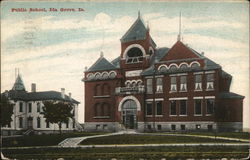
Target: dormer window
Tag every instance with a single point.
(134, 55)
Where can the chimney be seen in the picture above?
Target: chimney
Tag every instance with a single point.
(63, 92)
(70, 96)
(33, 87)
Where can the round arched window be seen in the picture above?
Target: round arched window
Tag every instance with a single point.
(183, 66)
(163, 69)
(105, 75)
(90, 76)
(195, 65)
(97, 76)
(112, 74)
(134, 55)
(173, 67)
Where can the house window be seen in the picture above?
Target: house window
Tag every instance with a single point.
(158, 107)
(172, 107)
(38, 122)
(47, 125)
(20, 122)
(159, 87)
(9, 125)
(106, 89)
(149, 86)
(149, 108)
(173, 87)
(183, 86)
(197, 126)
(173, 127)
(210, 106)
(210, 81)
(98, 90)
(198, 82)
(105, 127)
(209, 127)
(38, 107)
(67, 124)
(134, 55)
(149, 127)
(20, 106)
(98, 126)
(183, 127)
(30, 108)
(197, 107)
(159, 127)
(183, 107)
(73, 124)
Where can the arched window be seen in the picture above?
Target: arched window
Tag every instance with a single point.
(98, 90)
(133, 84)
(97, 75)
(173, 67)
(112, 74)
(162, 68)
(134, 55)
(129, 104)
(183, 66)
(90, 76)
(97, 110)
(38, 107)
(105, 75)
(106, 89)
(195, 65)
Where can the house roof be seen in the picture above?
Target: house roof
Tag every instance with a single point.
(38, 96)
(137, 31)
(18, 85)
(230, 95)
(101, 64)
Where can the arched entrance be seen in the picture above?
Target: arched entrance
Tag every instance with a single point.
(129, 110)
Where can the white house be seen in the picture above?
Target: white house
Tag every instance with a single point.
(27, 117)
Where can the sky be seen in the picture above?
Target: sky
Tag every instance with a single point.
(52, 48)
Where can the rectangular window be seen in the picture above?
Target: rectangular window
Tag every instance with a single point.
(47, 125)
(149, 86)
(209, 127)
(210, 81)
(67, 124)
(197, 107)
(149, 108)
(183, 107)
(173, 127)
(38, 107)
(20, 122)
(20, 106)
(159, 87)
(158, 107)
(173, 87)
(183, 86)
(73, 124)
(149, 127)
(159, 127)
(30, 108)
(105, 127)
(97, 127)
(9, 125)
(198, 82)
(172, 107)
(210, 106)
(38, 122)
(183, 127)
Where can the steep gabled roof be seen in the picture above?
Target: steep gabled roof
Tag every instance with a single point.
(137, 31)
(18, 85)
(180, 51)
(101, 64)
(116, 62)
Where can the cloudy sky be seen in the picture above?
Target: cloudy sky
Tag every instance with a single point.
(52, 48)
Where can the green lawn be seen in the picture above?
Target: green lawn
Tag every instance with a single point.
(41, 140)
(241, 135)
(149, 139)
(148, 153)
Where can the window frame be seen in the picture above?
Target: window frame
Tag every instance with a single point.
(201, 101)
(170, 113)
(180, 107)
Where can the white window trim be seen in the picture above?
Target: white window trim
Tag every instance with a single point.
(194, 63)
(198, 97)
(178, 98)
(207, 72)
(209, 97)
(198, 73)
(179, 74)
(159, 99)
(185, 86)
(149, 100)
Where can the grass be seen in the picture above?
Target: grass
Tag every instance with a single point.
(41, 140)
(149, 139)
(148, 153)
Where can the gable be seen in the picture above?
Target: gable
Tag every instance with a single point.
(101, 64)
(179, 51)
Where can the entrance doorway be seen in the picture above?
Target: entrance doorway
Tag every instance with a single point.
(30, 122)
(129, 110)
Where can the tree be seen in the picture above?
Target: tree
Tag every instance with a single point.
(57, 112)
(6, 110)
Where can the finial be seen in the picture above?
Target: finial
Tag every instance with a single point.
(179, 35)
(101, 55)
(139, 14)
(85, 68)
